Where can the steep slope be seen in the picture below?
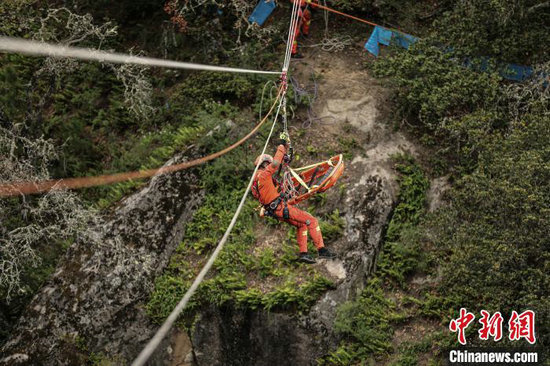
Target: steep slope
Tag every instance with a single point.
(93, 305)
(354, 107)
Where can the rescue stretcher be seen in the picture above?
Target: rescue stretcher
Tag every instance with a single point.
(315, 178)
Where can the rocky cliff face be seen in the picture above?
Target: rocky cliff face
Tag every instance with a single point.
(94, 301)
(347, 95)
(229, 336)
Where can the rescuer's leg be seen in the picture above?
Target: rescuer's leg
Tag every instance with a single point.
(301, 234)
(313, 228)
(306, 22)
(301, 237)
(310, 222)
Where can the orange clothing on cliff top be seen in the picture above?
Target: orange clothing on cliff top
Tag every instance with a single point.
(304, 21)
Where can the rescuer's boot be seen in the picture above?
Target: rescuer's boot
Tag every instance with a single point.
(306, 258)
(325, 253)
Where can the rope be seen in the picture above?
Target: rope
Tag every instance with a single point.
(343, 14)
(169, 322)
(294, 20)
(324, 7)
(15, 189)
(325, 16)
(299, 93)
(336, 44)
(34, 48)
(288, 49)
(285, 123)
(312, 118)
(292, 33)
(163, 330)
(274, 85)
(288, 184)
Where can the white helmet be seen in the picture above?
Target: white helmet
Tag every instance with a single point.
(262, 159)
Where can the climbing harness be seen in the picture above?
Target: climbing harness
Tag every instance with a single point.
(270, 208)
(299, 184)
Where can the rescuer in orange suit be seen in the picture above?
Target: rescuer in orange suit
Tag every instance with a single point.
(304, 21)
(264, 188)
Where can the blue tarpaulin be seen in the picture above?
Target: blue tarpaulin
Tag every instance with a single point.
(384, 36)
(262, 11)
(516, 72)
(381, 35)
(507, 71)
(404, 40)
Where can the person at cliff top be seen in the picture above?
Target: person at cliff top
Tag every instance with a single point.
(264, 189)
(304, 22)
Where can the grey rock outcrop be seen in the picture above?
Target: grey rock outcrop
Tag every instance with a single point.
(94, 301)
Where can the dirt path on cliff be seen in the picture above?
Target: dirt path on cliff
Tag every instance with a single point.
(350, 103)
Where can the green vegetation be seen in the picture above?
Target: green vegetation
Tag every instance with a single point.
(85, 110)
(32, 279)
(488, 248)
(496, 255)
(400, 258)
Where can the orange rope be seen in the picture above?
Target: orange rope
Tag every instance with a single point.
(343, 14)
(24, 188)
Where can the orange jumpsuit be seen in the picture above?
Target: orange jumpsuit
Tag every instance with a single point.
(304, 21)
(302, 220)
